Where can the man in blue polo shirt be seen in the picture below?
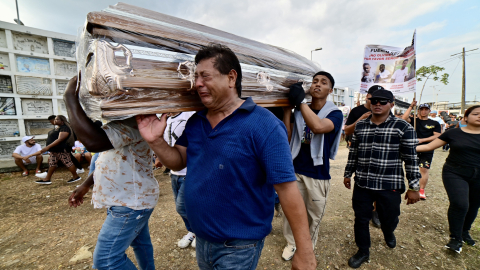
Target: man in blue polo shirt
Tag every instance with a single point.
(236, 153)
(315, 131)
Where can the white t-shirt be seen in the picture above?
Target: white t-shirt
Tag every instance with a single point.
(24, 150)
(123, 175)
(438, 119)
(175, 127)
(384, 74)
(399, 75)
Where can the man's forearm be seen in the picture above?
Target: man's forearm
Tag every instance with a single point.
(294, 209)
(15, 155)
(168, 156)
(406, 115)
(89, 181)
(91, 135)
(350, 128)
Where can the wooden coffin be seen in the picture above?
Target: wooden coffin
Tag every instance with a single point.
(136, 61)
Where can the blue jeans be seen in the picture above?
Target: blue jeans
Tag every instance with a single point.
(92, 163)
(124, 227)
(232, 254)
(178, 188)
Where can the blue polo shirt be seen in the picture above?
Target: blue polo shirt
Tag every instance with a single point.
(232, 168)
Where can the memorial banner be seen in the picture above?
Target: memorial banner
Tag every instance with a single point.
(37, 107)
(65, 68)
(4, 62)
(7, 106)
(33, 65)
(391, 67)
(6, 84)
(64, 48)
(34, 86)
(29, 43)
(3, 39)
(61, 86)
(37, 127)
(9, 128)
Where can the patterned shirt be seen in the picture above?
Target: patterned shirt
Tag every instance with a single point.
(377, 152)
(123, 175)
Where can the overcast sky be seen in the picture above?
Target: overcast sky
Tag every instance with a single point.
(341, 27)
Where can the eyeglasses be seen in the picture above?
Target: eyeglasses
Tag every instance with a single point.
(382, 101)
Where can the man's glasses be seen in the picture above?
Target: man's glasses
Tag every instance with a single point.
(382, 101)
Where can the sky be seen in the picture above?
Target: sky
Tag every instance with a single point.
(341, 28)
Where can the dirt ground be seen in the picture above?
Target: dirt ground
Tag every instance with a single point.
(39, 231)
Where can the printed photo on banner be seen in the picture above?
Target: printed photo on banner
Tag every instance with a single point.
(391, 67)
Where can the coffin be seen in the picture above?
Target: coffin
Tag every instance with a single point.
(137, 61)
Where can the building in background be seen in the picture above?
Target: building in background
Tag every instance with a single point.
(35, 66)
(340, 96)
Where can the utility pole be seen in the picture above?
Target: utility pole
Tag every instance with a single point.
(462, 108)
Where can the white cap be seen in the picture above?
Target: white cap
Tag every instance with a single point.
(26, 138)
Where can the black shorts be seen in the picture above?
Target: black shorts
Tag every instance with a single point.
(425, 160)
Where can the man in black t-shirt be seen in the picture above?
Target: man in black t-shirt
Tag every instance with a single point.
(427, 131)
(359, 113)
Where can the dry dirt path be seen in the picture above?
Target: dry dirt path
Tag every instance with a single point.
(39, 231)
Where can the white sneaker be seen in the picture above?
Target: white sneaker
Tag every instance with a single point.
(186, 240)
(80, 171)
(41, 175)
(288, 252)
(194, 242)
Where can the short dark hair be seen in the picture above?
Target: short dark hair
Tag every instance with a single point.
(365, 64)
(382, 65)
(51, 117)
(326, 74)
(224, 61)
(405, 60)
(469, 110)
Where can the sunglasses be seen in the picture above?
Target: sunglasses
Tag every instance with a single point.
(382, 101)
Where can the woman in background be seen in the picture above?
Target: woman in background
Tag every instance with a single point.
(461, 176)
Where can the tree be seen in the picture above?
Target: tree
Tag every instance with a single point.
(427, 73)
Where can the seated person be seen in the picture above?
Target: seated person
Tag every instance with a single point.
(22, 152)
(80, 153)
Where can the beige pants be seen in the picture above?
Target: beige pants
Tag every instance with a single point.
(314, 193)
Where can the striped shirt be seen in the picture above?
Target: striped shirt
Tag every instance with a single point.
(377, 152)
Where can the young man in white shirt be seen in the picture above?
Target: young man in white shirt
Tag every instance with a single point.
(175, 126)
(383, 75)
(434, 116)
(22, 152)
(400, 75)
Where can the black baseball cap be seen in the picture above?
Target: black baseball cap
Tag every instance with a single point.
(424, 105)
(383, 94)
(374, 88)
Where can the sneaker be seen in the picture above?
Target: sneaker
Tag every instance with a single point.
(80, 170)
(288, 252)
(74, 180)
(467, 239)
(454, 245)
(48, 182)
(186, 240)
(41, 175)
(194, 242)
(25, 173)
(422, 194)
(375, 219)
(356, 260)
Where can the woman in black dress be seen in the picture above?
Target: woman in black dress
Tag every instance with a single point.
(461, 176)
(59, 144)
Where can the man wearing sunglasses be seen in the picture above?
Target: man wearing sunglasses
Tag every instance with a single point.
(380, 144)
(427, 131)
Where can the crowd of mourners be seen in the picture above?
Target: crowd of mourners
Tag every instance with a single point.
(244, 161)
